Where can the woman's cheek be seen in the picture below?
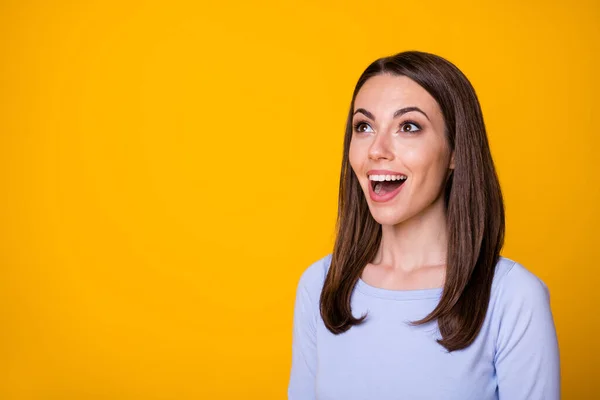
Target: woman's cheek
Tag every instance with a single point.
(414, 159)
(424, 157)
(357, 155)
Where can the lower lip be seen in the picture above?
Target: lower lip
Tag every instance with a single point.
(382, 198)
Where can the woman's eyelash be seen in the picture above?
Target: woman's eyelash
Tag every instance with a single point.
(409, 122)
(403, 123)
(358, 124)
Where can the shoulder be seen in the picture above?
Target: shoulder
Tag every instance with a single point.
(314, 275)
(519, 299)
(525, 341)
(312, 279)
(514, 281)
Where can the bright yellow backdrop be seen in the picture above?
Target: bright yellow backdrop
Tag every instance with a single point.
(169, 169)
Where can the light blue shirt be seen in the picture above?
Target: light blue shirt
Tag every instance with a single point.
(514, 357)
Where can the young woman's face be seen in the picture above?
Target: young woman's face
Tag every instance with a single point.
(399, 150)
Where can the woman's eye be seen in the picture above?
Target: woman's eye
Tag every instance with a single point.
(362, 127)
(409, 127)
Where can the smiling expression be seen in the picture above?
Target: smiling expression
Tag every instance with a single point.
(399, 136)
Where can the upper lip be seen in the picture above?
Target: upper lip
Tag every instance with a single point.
(384, 172)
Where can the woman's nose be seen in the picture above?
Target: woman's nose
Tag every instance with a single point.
(381, 148)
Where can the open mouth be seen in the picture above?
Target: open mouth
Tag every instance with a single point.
(383, 184)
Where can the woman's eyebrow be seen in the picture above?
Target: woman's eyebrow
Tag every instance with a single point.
(365, 112)
(404, 110)
(398, 113)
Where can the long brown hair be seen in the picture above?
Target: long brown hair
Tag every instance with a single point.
(473, 201)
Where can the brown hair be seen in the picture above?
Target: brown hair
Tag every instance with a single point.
(473, 201)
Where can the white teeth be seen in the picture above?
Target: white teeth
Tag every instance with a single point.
(381, 178)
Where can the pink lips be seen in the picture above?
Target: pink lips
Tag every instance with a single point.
(383, 197)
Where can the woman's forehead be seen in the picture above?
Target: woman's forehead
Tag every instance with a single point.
(384, 94)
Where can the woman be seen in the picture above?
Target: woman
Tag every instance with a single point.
(416, 302)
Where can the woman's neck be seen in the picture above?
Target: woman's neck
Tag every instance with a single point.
(420, 241)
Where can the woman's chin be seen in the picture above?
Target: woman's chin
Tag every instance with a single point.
(389, 218)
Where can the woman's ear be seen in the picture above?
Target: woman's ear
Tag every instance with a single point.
(452, 161)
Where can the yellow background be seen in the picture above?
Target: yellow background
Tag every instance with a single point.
(168, 170)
